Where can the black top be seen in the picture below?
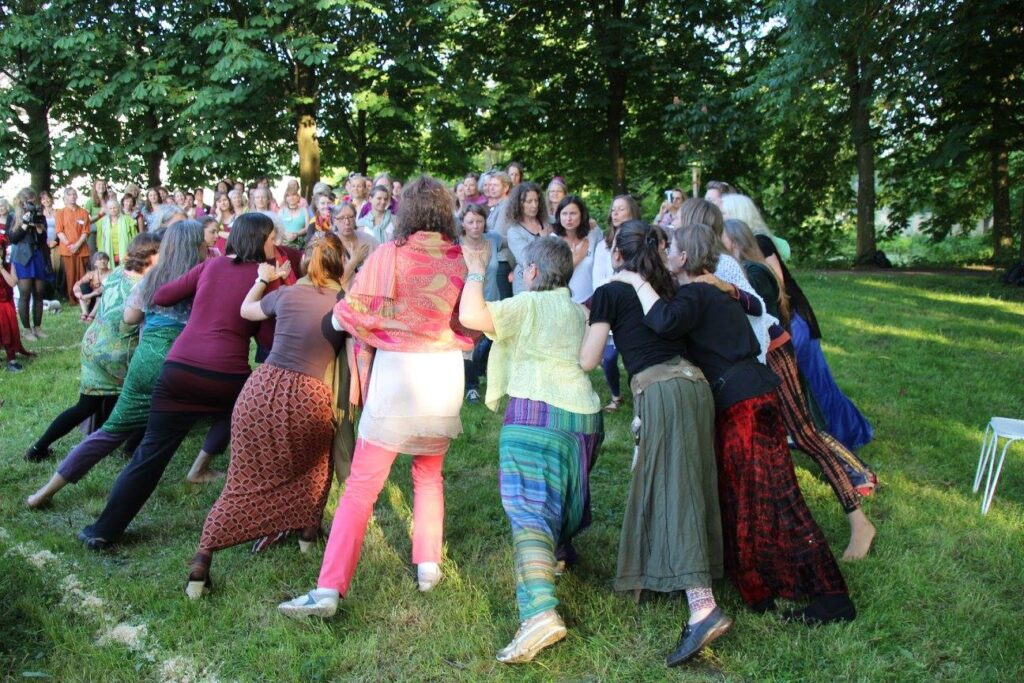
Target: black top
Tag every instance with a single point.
(718, 340)
(797, 300)
(616, 303)
(765, 284)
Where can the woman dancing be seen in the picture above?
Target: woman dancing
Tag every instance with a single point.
(552, 428)
(671, 532)
(402, 304)
(205, 369)
(283, 422)
(773, 546)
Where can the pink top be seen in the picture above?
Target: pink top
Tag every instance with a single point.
(406, 298)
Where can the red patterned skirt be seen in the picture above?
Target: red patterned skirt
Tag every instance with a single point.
(10, 334)
(280, 472)
(773, 546)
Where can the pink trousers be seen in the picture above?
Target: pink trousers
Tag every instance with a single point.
(371, 466)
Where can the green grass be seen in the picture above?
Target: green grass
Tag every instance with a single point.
(928, 358)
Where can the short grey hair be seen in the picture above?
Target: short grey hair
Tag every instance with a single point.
(553, 259)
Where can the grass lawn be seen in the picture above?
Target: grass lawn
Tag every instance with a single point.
(928, 358)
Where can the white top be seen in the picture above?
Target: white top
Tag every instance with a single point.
(602, 265)
(729, 270)
(582, 282)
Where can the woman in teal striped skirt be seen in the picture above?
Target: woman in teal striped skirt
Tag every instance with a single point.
(552, 427)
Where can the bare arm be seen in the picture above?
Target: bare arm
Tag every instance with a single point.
(592, 348)
(473, 313)
(251, 309)
(133, 316)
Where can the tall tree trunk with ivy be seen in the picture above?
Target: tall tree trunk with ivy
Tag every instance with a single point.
(861, 88)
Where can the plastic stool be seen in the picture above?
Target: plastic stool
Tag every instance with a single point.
(998, 428)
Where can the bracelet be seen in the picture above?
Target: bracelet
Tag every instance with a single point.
(259, 279)
(475, 277)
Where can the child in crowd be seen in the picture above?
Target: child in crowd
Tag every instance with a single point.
(90, 288)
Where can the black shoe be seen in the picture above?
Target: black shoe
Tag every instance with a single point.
(764, 606)
(14, 366)
(695, 636)
(34, 454)
(94, 542)
(825, 609)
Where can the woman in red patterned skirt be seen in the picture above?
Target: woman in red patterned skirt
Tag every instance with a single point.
(283, 422)
(773, 546)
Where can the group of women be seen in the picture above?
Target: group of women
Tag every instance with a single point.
(698, 314)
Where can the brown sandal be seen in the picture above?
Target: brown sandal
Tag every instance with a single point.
(613, 405)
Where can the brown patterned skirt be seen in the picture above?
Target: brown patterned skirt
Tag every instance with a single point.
(280, 471)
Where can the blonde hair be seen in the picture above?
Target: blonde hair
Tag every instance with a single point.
(742, 208)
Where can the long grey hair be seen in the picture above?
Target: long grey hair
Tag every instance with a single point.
(180, 250)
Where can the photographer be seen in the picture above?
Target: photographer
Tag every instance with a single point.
(30, 256)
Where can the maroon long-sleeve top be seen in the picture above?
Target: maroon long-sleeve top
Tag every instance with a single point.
(216, 336)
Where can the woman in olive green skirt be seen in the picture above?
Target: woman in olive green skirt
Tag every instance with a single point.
(672, 529)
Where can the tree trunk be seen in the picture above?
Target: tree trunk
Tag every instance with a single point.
(154, 157)
(1002, 238)
(362, 153)
(861, 93)
(40, 148)
(616, 108)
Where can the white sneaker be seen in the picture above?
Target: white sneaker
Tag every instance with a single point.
(319, 602)
(428, 575)
(533, 635)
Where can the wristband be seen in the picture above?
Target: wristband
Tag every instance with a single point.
(475, 277)
(265, 283)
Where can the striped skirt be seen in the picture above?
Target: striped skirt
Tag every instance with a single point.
(545, 456)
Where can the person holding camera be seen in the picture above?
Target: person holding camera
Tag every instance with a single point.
(29, 254)
(72, 232)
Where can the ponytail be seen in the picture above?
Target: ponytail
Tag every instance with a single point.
(325, 259)
(640, 247)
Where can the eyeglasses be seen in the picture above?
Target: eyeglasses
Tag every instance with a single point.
(345, 219)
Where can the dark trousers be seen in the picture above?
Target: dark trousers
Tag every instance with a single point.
(164, 433)
(87, 406)
(477, 365)
(504, 286)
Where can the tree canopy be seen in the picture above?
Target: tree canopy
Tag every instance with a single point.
(825, 111)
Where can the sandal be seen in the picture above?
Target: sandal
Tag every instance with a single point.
(614, 404)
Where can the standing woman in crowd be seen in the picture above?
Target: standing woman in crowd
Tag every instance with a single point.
(239, 203)
(6, 216)
(182, 247)
(115, 231)
(321, 220)
(773, 546)
(378, 220)
(830, 455)
(572, 223)
(52, 243)
(671, 532)
(515, 172)
(476, 239)
(525, 224)
(130, 208)
(552, 429)
(31, 257)
(357, 244)
(149, 209)
(205, 369)
(225, 215)
(105, 350)
(402, 304)
(283, 423)
(96, 205)
(555, 194)
(72, 232)
(624, 208)
(843, 420)
(293, 218)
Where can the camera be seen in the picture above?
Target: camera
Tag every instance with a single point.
(32, 216)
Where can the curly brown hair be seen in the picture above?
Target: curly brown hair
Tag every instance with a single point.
(426, 205)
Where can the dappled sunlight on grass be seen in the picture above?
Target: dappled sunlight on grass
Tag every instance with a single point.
(1003, 306)
(893, 331)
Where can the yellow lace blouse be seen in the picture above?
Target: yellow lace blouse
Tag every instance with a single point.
(537, 337)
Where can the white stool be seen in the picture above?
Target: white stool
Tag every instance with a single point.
(998, 428)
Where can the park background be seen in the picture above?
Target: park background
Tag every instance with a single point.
(856, 125)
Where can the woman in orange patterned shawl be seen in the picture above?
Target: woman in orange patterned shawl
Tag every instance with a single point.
(403, 304)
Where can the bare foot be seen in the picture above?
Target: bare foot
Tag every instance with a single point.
(38, 499)
(204, 477)
(862, 533)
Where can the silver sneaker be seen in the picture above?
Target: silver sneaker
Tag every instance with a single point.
(534, 634)
(311, 604)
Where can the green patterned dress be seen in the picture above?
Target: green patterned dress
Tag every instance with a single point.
(108, 343)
